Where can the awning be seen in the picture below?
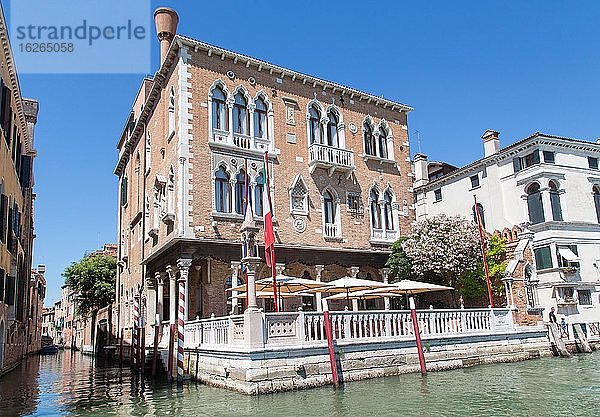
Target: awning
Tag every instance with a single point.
(521, 246)
(510, 268)
(568, 254)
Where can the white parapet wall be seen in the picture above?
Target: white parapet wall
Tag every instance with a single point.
(288, 351)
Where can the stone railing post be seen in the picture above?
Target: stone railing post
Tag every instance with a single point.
(318, 272)
(301, 326)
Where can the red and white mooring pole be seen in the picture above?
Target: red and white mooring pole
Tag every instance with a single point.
(329, 334)
(413, 315)
(180, 330)
(134, 330)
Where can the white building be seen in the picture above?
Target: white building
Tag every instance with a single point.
(547, 186)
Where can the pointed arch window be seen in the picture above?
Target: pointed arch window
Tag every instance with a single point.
(479, 208)
(387, 211)
(383, 152)
(148, 152)
(171, 112)
(369, 138)
(240, 114)
(240, 191)
(555, 202)
(534, 204)
(259, 189)
(332, 129)
(222, 191)
(596, 194)
(314, 125)
(375, 210)
(299, 197)
(329, 208)
(260, 119)
(219, 112)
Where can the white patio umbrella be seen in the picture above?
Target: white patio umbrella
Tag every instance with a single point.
(350, 284)
(364, 295)
(407, 286)
(264, 284)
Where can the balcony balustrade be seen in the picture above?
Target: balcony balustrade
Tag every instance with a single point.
(330, 158)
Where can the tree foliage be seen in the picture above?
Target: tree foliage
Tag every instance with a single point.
(472, 285)
(94, 279)
(442, 245)
(399, 263)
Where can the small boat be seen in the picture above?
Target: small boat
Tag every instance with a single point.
(48, 347)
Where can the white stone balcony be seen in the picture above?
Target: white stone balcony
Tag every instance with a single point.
(331, 231)
(330, 158)
(224, 139)
(383, 236)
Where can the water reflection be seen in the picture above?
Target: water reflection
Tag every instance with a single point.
(72, 384)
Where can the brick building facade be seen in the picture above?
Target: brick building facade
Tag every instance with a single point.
(339, 170)
(17, 119)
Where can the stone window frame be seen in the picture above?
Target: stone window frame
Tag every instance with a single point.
(299, 180)
(340, 127)
(322, 123)
(171, 114)
(337, 215)
(228, 103)
(393, 210)
(270, 118)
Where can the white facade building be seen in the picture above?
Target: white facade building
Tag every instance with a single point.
(548, 186)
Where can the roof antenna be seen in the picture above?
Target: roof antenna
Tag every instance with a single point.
(418, 140)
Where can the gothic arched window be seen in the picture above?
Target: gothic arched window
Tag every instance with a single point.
(555, 202)
(369, 139)
(260, 119)
(329, 208)
(259, 189)
(219, 110)
(222, 191)
(240, 192)
(314, 125)
(387, 211)
(479, 208)
(240, 114)
(534, 204)
(375, 210)
(332, 129)
(383, 153)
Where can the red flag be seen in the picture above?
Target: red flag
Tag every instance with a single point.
(269, 234)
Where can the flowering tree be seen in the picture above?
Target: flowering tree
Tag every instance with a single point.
(446, 246)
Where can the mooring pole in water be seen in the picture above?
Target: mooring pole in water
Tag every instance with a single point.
(329, 334)
(142, 361)
(413, 315)
(155, 353)
(171, 343)
(121, 348)
(180, 325)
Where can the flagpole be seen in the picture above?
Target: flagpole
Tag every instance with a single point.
(483, 253)
(245, 209)
(270, 251)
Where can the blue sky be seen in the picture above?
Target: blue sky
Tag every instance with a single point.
(516, 67)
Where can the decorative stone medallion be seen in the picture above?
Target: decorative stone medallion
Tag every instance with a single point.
(300, 224)
(352, 127)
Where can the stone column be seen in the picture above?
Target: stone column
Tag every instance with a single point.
(354, 270)
(251, 264)
(229, 104)
(235, 267)
(525, 206)
(251, 108)
(318, 271)
(151, 304)
(172, 294)
(160, 295)
(279, 267)
(547, 204)
(183, 265)
(385, 272)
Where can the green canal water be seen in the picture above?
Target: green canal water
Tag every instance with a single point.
(73, 385)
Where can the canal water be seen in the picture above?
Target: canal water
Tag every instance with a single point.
(74, 385)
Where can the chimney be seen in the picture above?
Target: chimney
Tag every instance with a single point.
(41, 269)
(166, 21)
(491, 142)
(421, 171)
